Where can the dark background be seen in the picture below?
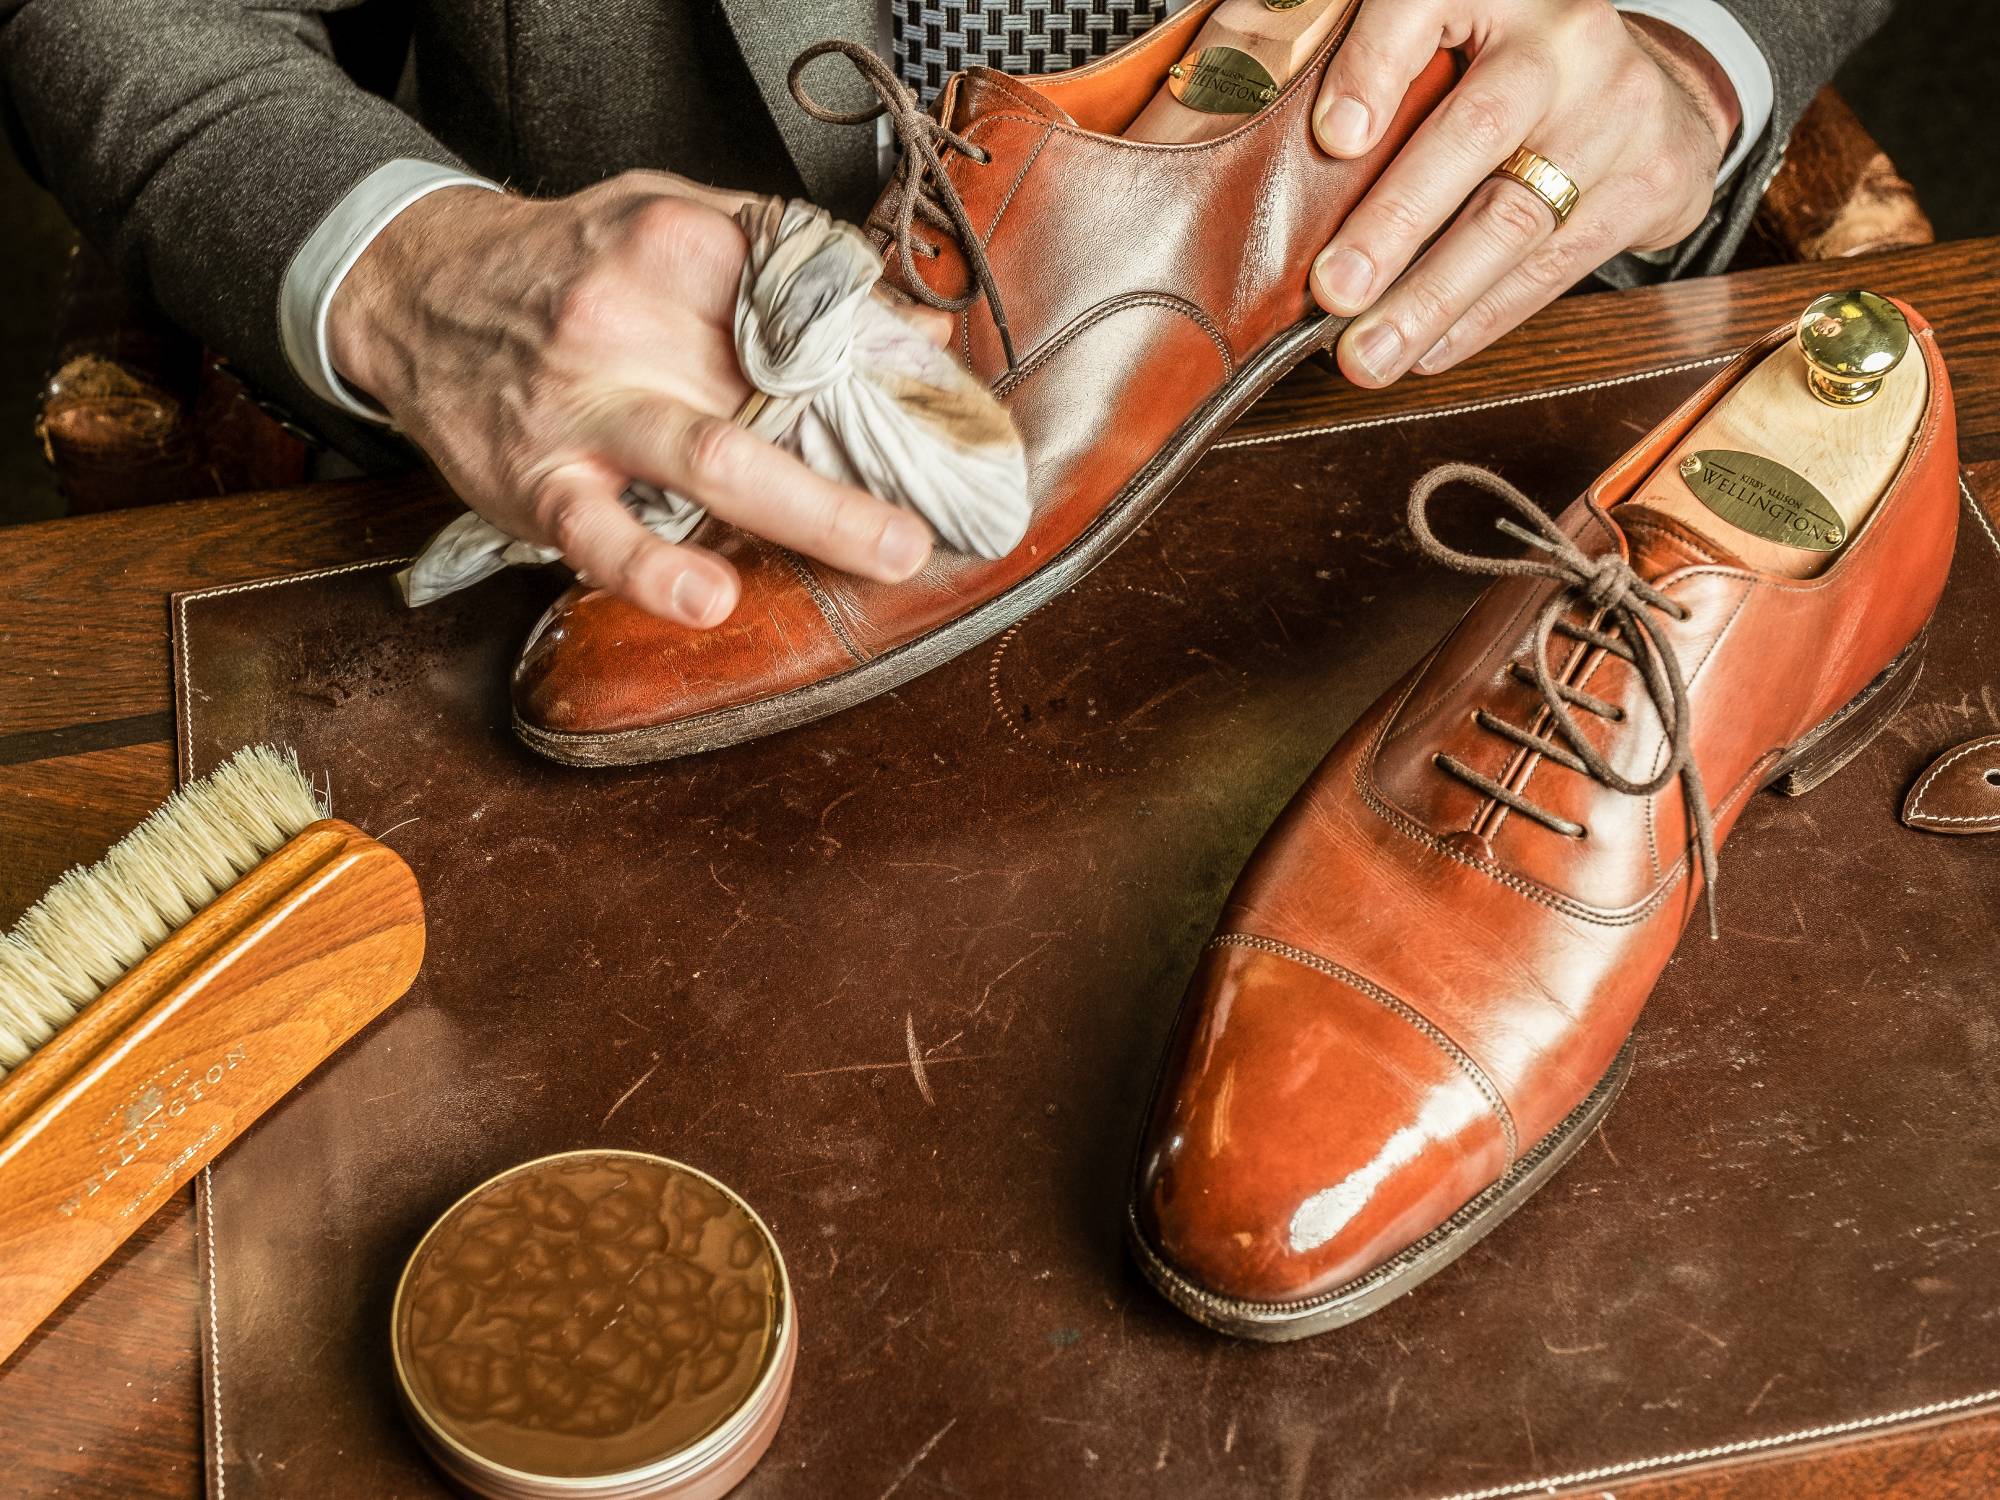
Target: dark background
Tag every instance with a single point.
(1917, 87)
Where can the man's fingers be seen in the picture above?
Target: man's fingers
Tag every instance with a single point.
(1384, 50)
(1493, 109)
(751, 484)
(934, 323)
(1503, 225)
(1587, 241)
(577, 509)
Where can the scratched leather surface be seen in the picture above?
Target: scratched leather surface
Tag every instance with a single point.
(900, 978)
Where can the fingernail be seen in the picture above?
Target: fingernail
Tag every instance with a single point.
(1343, 128)
(1377, 349)
(1345, 275)
(698, 599)
(904, 545)
(1433, 359)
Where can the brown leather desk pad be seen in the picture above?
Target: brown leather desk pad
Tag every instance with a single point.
(901, 978)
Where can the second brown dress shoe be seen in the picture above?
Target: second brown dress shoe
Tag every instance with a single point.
(1127, 301)
(1420, 995)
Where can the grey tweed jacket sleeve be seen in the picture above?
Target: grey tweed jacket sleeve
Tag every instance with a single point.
(1805, 42)
(197, 143)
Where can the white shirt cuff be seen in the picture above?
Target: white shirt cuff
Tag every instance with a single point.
(330, 252)
(1723, 38)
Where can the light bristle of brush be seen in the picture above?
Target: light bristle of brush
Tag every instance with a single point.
(100, 920)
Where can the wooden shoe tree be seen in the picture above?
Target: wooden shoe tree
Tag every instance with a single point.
(1244, 53)
(1837, 407)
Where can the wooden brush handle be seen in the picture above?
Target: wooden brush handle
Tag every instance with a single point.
(126, 1103)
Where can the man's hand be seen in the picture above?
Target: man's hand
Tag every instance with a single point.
(544, 354)
(1636, 112)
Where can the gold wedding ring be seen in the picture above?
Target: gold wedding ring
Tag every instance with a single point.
(1544, 179)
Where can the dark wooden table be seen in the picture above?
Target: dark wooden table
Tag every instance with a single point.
(105, 1400)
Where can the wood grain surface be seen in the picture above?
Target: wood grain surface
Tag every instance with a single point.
(104, 1400)
(121, 1108)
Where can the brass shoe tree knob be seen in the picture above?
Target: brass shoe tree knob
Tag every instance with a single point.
(1851, 341)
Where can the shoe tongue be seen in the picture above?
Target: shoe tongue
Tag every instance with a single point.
(1660, 544)
(981, 91)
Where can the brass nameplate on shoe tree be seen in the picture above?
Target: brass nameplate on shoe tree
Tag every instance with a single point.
(1763, 497)
(1221, 81)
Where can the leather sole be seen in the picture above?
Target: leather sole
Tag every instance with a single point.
(1129, 510)
(1807, 763)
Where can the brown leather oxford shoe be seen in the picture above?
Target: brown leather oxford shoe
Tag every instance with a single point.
(1420, 995)
(1127, 300)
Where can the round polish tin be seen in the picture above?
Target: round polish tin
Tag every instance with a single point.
(596, 1324)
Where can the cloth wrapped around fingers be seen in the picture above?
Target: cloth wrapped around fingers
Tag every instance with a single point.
(841, 378)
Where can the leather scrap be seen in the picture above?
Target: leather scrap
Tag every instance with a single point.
(1959, 792)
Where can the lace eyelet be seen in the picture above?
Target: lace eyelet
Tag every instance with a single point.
(1581, 834)
(983, 158)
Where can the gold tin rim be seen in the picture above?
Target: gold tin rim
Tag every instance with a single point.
(689, 1462)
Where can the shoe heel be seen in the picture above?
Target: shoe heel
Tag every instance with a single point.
(1836, 742)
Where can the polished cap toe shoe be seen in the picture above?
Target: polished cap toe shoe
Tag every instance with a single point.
(1126, 300)
(1422, 991)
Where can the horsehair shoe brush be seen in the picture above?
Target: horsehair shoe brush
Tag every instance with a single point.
(154, 1004)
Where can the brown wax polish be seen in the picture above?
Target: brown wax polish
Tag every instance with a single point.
(602, 1323)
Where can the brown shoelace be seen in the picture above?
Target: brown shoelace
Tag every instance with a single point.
(920, 189)
(1624, 626)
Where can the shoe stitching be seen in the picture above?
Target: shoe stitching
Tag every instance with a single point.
(1468, 408)
(1984, 742)
(1019, 177)
(1409, 827)
(1181, 1291)
(1644, 526)
(1512, 630)
(1478, 1076)
(824, 602)
(1624, 917)
(1590, 680)
(1088, 319)
(1978, 514)
(1661, 1462)
(1526, 762)
(965, 317)
(1534, 891)
(1172, 452)
(1395, 419)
